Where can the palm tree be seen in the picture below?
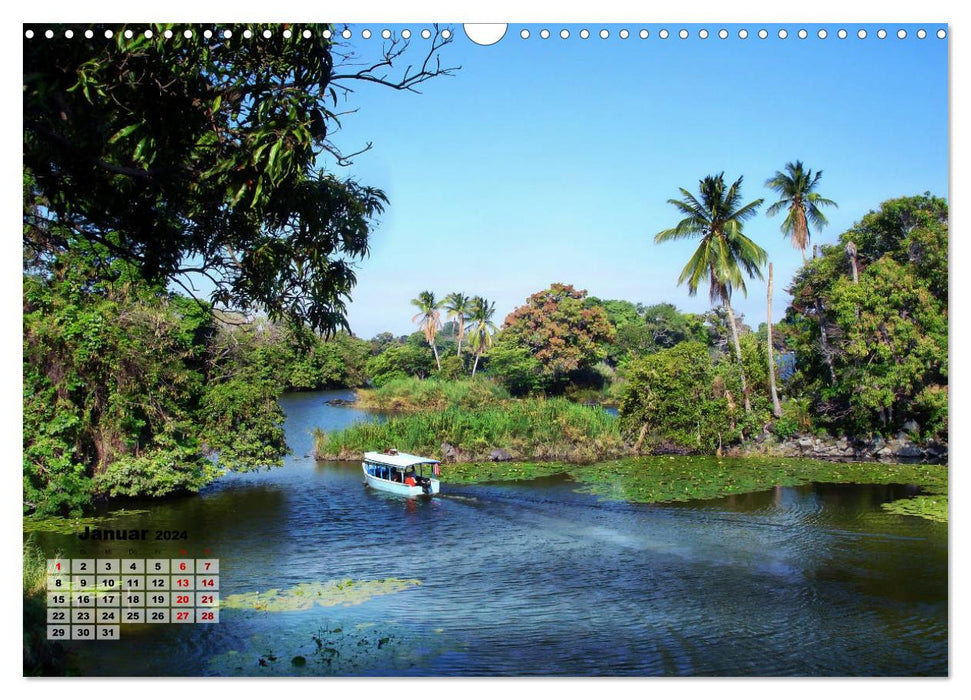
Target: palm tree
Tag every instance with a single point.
(458, 305)
(428, 319)
(724, 251)
(481, 327)
(796, 189)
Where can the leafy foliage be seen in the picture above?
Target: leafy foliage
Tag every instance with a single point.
(187, 156)
(559, 332)
(123, 393)
(887, 331)
(680, 398)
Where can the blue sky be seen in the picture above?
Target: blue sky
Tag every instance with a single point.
(552, 160)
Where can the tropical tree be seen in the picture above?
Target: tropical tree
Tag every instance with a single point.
(428, 318)
(796, 189)
(724, 252)
(215, 159)
(457, 306)
(566, 337)
(481, 328)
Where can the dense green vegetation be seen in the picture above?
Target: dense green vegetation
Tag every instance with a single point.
(868, 323)
(526, 429)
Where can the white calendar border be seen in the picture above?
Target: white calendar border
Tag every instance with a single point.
(510, 11)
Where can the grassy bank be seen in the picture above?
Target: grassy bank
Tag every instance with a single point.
(537, 429)
(665, 479)
(411, 395)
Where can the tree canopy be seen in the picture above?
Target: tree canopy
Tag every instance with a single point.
(195, 157)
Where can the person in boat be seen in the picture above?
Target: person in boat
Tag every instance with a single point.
(410, 478)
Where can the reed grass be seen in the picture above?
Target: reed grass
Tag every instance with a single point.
(539, 429)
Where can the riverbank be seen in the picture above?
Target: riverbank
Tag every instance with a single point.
(665, 479)
(897, 450)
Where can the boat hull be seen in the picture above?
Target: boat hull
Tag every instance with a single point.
(399, 488)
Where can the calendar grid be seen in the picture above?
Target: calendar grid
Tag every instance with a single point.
(91, 599)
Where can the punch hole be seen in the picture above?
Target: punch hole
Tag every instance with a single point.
(524, 33)
(69, 34)
(584, 34)
(663, 33)
(842, 34)
(703, 34)
(683, 34)
(544, 34)
(88, 34)
(802, 34)
(861, 33)
(941, 34)
(921, 34)
(564, 33)
(624, 34)
(426, 34)
(604, 34)
(327, 34)
(386, 34)
(902, 34)
(783, 34)
(485, 34)
(743, 33)
(208, 33)
(405, 33)
(366, 34)
(881, 33)
(129, 34)
(286, 33)
(822, 34)
(763, 34)
(644, 34)
(722, 33)
(29, 34)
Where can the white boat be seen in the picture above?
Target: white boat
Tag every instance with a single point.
(401, 473)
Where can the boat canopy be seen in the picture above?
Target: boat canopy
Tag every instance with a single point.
(398, 459)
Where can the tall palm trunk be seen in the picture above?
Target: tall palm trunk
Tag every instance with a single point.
(461, 322)
(435, 350)
(776, 407)
(476, 363)
(738, 353)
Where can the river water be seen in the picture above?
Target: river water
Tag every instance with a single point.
(533, 577)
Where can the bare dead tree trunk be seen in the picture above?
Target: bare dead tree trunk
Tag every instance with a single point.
(776, 407)
(851, 254)
(738, 354)
(824, 342)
